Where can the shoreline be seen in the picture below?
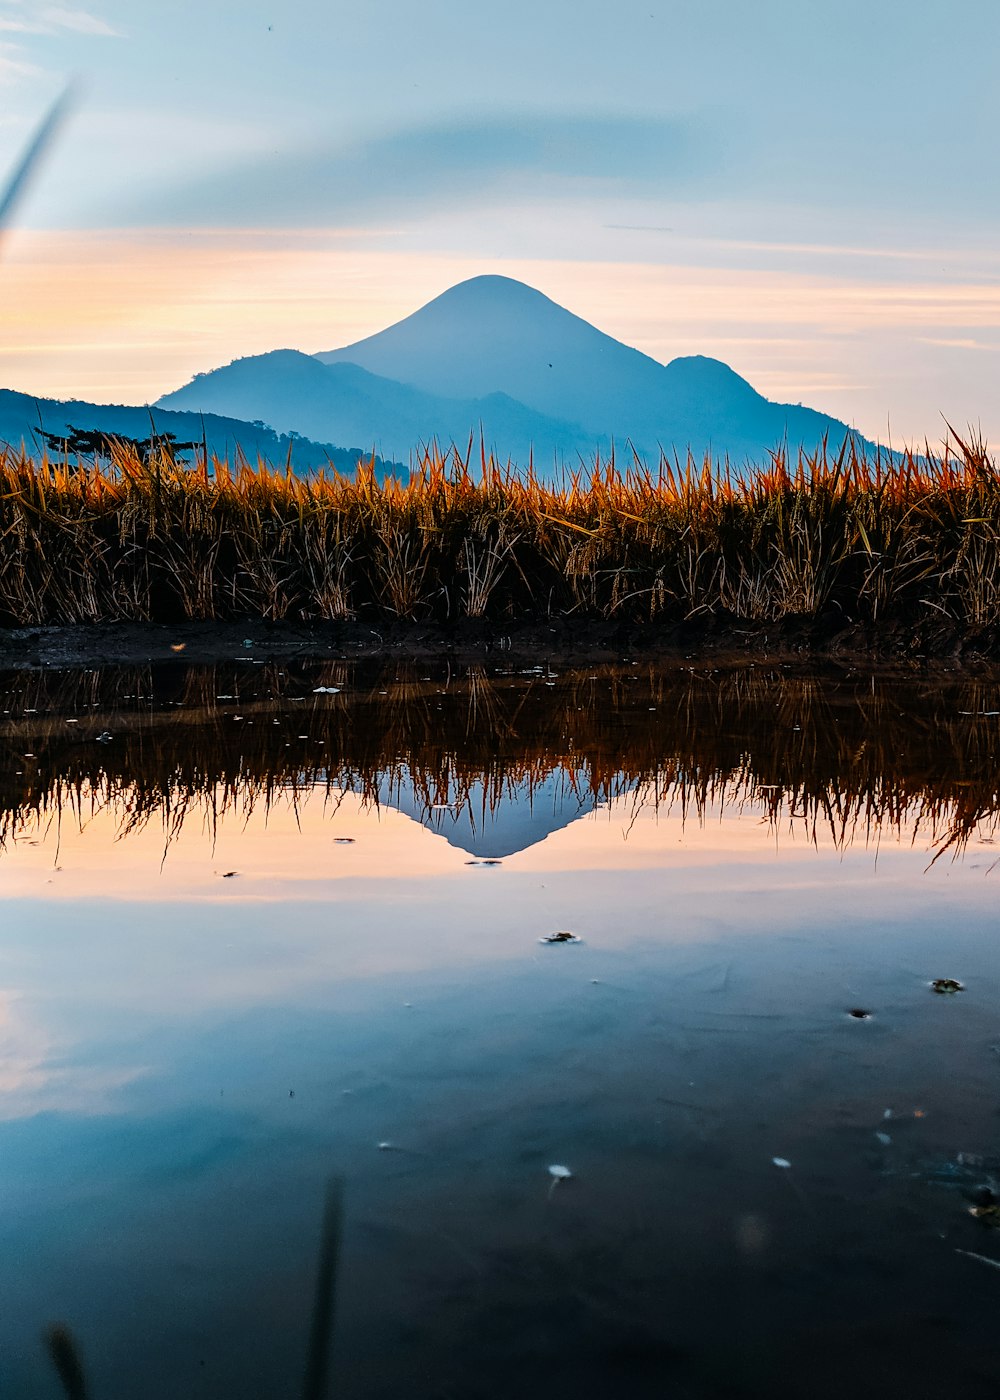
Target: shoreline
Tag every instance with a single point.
(805, 643)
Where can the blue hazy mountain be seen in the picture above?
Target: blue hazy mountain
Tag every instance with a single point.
(347, 403)
(493, 334)
(492, 354)
(21, 416)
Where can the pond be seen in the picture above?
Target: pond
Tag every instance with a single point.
(287, 1057)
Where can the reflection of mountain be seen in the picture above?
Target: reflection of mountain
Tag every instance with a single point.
(494, 354)
(472, 820)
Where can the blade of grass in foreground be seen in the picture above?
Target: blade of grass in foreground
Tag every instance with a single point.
(66, 1359)
(316, 1380)
(40, 142)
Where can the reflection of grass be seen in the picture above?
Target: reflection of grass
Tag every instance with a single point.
(872, 540)
(851, 757)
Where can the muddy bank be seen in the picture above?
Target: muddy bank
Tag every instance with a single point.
(934, 644)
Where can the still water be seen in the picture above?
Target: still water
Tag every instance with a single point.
(284, 1064)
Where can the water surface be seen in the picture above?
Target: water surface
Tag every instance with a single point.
(268, 928)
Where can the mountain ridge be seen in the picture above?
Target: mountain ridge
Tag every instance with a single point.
(557, 363)
(495, 356)
(290, 389)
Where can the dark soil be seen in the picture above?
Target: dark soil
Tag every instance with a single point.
(932, 645)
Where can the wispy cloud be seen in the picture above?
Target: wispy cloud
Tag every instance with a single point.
(448, 162)
(28, 25)
(78, 21)
(959, 343)
(14, 67)
(16, 18)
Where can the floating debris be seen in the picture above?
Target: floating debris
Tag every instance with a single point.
(559, 1173)
(987, 1215)
(177, 646)
(782, 1162)
(561, 937)
(858, 1013)
(230, 874)
(343, 840)
(884, 1139)
(327, 690)
(484, 862)
(946, 985)
(104, 737)
(386, 1146)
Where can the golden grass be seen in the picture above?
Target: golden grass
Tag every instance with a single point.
(870, 537)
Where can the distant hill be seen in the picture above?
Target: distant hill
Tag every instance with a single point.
(496, 356)
(344, 402)
(21, 415)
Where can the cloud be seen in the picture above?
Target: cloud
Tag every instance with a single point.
(959, 343)
(53, 19)
(78, 21)
(14, 67)
(17, 66)
(445, 163)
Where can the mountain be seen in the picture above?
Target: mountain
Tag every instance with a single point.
(291, 390)
(21, 415)
(492, 333)
(496, 356)
(496, 334)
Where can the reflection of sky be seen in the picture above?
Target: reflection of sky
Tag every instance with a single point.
(324, 890)
(157, 1019)
(305, 844)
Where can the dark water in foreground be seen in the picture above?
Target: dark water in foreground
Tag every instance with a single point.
(251, 961)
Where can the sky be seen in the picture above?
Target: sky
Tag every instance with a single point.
(808, 192)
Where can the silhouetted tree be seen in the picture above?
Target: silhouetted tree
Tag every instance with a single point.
(98, 445)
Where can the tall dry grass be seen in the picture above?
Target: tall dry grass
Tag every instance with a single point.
(869, 538)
